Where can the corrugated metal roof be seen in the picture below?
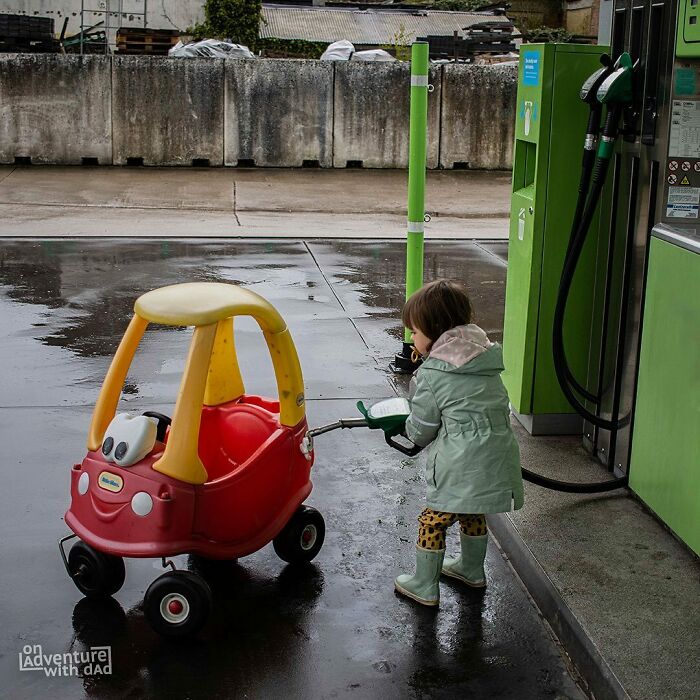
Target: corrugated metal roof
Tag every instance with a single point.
(374, 27)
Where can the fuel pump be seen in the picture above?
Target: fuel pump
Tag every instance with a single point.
(622, 288)
(611, 89)
(614, 91)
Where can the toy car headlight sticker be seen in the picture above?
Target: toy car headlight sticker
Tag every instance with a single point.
(83, 483)
(141, 503)
(129, 438)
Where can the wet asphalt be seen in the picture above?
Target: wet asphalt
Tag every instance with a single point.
(333, 628)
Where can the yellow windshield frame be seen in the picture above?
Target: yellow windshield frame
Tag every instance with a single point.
(212, 375)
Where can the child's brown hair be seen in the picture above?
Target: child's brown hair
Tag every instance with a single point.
(436, 307)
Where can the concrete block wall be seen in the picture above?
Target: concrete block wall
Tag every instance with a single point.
(371, 108)
(168, 111)
(55, 109)
(480, 130)
(279, 112)
(266, 112)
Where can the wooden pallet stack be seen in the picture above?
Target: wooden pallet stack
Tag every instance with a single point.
(150, 42)
(490, 38)
(483, 38)
(23, 34)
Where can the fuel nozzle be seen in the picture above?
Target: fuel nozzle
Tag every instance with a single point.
(589, 90)
(616, 93)
(589, 95)
(617, 87)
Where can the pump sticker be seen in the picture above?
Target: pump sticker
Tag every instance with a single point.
(684, 195)
(684, 141)
(683, 202)
(521, 224)
(531, 68)
(682, 211)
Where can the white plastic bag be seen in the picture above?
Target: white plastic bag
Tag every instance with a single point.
(338, 51)
(372, 55)
(210, 48)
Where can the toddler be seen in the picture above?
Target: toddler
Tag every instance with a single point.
(460, 407)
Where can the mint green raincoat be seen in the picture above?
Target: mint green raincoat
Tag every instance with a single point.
(461, 406)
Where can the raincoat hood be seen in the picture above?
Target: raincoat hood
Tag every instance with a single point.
(466, 349)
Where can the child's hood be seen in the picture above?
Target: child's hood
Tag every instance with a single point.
(466, 349)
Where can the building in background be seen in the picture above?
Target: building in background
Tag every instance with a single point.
(369, 28)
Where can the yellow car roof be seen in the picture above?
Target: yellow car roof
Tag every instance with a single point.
(203, 303)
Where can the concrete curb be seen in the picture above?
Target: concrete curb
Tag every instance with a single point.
(599, 677)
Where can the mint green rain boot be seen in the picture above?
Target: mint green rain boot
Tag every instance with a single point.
(469, 568)
(424, 585)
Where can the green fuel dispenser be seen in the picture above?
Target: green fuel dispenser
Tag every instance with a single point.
(638, 270)
(665, 462)
(664, 465)
(550, 127)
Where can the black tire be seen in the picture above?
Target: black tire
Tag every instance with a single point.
(302, 537)
(185, 589)
(95, 574)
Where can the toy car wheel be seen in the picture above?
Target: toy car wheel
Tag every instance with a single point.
(177, 604)
(96, 574)
(302, 537)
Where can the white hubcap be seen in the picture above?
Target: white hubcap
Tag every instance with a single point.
(308, 537)
(174, 608)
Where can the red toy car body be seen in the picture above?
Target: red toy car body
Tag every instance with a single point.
(228, 476)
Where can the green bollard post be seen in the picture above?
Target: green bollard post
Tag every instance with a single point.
(417, 148)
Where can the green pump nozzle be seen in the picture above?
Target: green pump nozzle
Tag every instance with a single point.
(617, 87)
(616, 93)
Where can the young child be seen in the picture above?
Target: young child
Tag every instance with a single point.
(460, 406)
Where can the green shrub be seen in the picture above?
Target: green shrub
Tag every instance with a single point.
(460, 5)
(237, 20)
(545, 35)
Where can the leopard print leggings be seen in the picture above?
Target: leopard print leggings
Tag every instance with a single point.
(433, 524)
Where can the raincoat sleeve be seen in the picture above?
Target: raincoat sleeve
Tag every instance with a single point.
(423, 422)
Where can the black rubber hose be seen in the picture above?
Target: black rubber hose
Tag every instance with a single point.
(579, 233)
(574, 487)
(600, 171)
(587, 165)
(568, 270)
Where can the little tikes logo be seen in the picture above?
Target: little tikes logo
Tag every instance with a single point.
(110, 482)
(95, 661)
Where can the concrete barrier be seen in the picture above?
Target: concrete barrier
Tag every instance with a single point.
(478, 116)
(168, 111)
(266, 112)
(371, 114)
(279, 112)
(55, 109)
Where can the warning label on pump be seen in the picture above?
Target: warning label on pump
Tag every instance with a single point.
(682, 211)
(684, 141)
(683, 195)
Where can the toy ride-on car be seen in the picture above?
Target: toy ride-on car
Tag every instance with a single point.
(226, 476)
